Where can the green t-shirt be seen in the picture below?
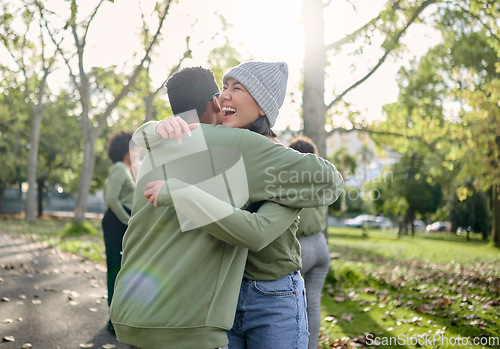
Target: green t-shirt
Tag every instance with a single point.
(119, 191)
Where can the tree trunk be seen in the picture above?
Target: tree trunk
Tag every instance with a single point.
(495, 229)
(33, 163)
(2, 191)
(85, 176)
(313, 103)
(150, 110)
(41, 187)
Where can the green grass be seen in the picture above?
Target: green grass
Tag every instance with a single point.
(380, 286)
(82, 239)
(408, 288)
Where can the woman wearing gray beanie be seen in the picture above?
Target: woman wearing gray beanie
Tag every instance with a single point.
(271, 310)
(252, 95)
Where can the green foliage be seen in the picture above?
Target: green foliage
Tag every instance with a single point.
(447, 110)
(437, 284)
(14, 129)
(85, 248)
(85, 241)
(472, 212)
(74, 229)
(346, 162)
(60, 130)
(348, 274)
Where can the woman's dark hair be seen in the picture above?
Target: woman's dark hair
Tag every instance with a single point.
(261, 125)
(304, 145)
(118, 146)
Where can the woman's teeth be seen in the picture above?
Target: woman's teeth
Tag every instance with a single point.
(228, 111)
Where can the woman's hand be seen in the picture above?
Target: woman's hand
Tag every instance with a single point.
(152, 191)
(173, 127)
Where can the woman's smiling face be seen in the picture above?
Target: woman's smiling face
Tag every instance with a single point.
(239, 108)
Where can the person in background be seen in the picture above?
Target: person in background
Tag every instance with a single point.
(314, 250)
(118, 195)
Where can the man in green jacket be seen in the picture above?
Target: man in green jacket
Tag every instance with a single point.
(178, 286)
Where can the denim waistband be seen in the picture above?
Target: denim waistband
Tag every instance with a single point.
(295, 273)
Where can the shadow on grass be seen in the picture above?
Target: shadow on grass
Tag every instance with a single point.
(423, 297)
(363, 323)
(396, 312)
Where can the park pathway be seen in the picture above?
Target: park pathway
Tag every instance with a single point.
(51, 299)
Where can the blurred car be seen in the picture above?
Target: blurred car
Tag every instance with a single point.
(381, 223)
(419, 225)
(359, 221)
(371, 222)
(438, 226)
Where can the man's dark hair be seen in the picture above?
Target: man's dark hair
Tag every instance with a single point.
(118, 146)
(261, 125)
(191, 88)
(304, 145)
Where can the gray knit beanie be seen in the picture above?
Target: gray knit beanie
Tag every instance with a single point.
(266, 82)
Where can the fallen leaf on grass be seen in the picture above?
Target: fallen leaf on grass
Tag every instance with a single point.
(369, 290)
(424, 308)
(347, 317)
(360, 339)
(330, 319)
(340, 299)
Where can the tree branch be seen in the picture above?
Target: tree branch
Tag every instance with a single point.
(351, 37)
(87, 26)
(431, 146)
(473, 15)
(139, 67)
(396, 39)
(58, 49)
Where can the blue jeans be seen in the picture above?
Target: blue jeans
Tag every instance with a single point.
(271, 315)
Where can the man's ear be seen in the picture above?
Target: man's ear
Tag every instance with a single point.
(216, 104)
(261, 112)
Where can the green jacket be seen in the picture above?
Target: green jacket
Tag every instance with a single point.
(312, 220)
(119, 191)
(178, 286)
